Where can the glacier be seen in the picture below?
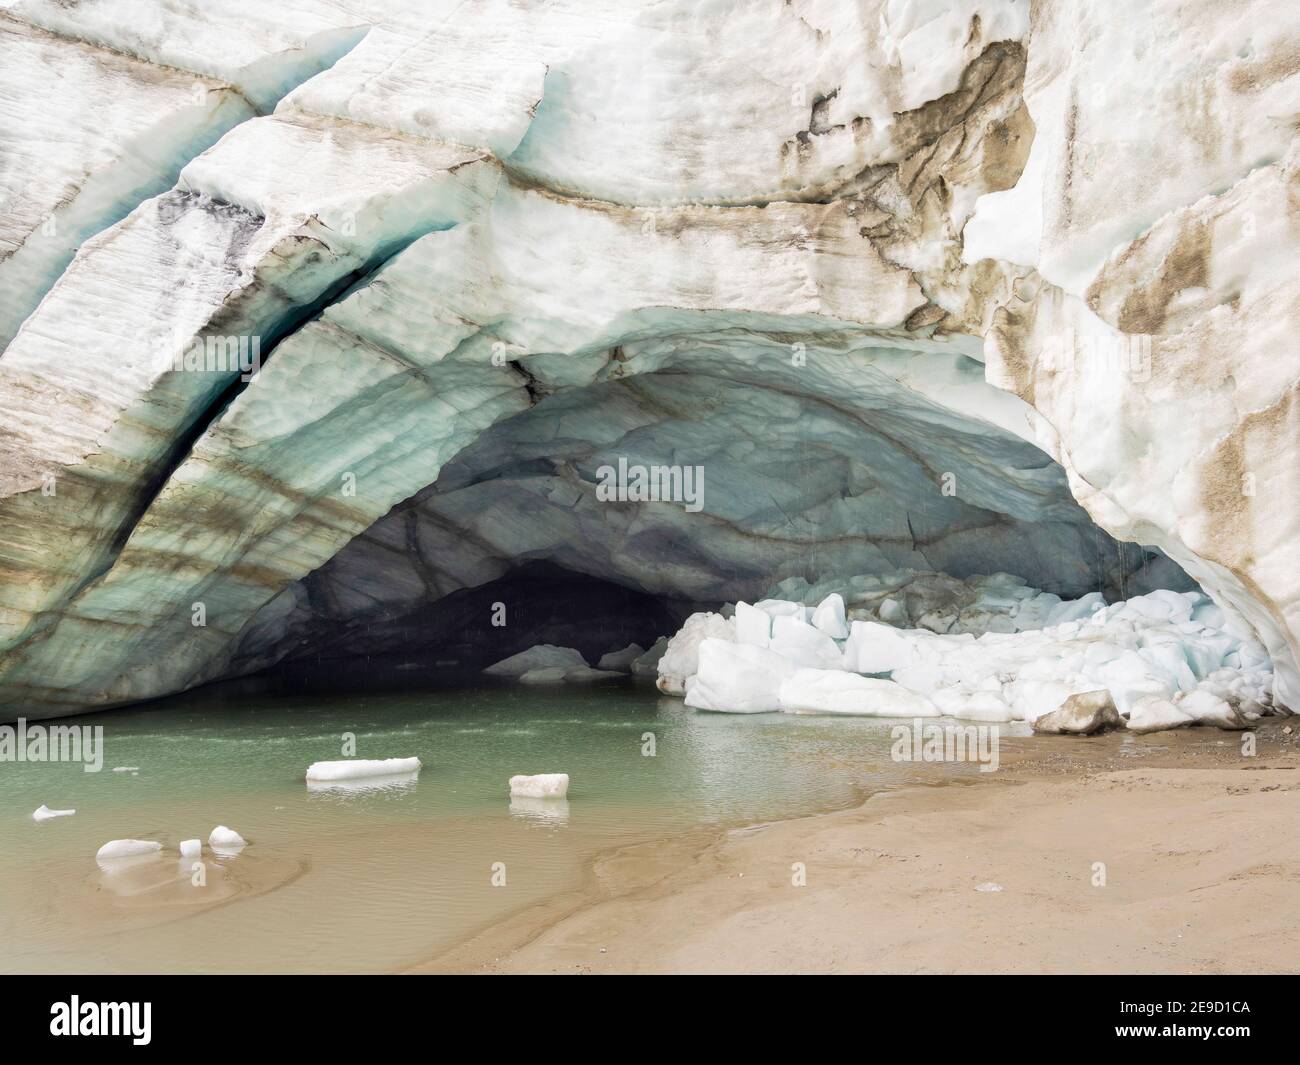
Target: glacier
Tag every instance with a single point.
(931, 294)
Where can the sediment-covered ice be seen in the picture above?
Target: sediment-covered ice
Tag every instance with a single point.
(127, 848)
(540, 786)
(354, 768)
(1160, 660)
(44, 813)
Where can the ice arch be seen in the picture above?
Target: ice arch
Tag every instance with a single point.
(439, 255)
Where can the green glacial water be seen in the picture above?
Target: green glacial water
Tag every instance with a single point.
(383, 878)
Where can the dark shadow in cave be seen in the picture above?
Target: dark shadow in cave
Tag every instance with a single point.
(453, 639)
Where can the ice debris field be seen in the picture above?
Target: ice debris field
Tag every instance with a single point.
(988, 649)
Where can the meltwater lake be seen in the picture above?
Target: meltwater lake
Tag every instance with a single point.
(385, 875)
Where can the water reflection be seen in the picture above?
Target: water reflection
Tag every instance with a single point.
(392, 782)
(549, 811)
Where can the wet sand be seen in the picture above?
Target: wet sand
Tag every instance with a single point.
(1167, 853)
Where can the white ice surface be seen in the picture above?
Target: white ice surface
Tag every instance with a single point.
(540, 786)
(353, 768)
(127, 848)
(221, 836)
(1158, 655)
(826, 691)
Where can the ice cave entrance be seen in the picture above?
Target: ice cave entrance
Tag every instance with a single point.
(606, 513)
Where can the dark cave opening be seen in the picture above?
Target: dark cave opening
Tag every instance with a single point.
(452, 640)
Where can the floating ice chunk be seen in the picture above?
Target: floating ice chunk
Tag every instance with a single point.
(1151, 713)
(352, 768)
(753, 626)
(221, 836)
(621, 660)
(540, 786)
(738, 678)
(542, 656)
(804, 645)
(988, 886)
(566, 669)
(126, 769)
(829, 617)
(191, 848)
(127, 848)
(44, 813)
(829, 691)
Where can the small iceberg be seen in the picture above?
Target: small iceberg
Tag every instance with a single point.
(354, 768)
(45, 813)
(192, 848)
(548, 664)
(540, 786)
(226, 841)
(127, 848)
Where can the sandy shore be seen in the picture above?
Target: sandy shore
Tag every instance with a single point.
(1166, 853)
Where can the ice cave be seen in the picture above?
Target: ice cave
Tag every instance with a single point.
(710, 486)
(939, 347)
